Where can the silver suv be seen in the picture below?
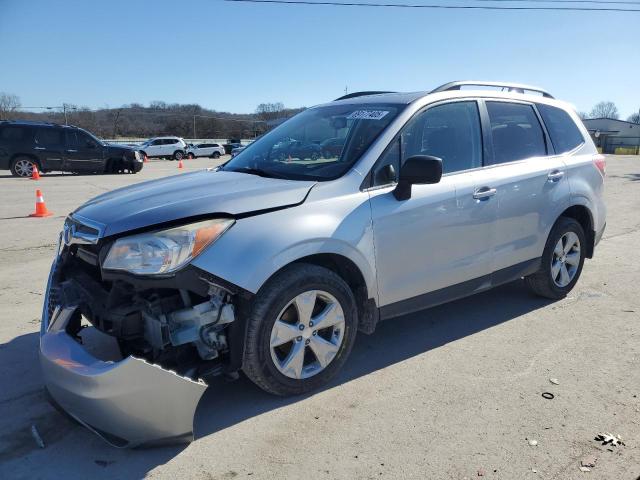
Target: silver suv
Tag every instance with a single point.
(271, 263)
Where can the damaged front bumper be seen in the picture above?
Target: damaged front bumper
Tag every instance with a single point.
(128, 402)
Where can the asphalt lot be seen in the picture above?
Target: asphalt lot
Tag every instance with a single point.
(446, 393)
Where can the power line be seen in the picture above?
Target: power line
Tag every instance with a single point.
(604, 2)
(437, 6)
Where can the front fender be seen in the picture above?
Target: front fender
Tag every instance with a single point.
(255, 248)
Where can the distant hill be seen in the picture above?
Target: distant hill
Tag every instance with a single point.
(160, 118)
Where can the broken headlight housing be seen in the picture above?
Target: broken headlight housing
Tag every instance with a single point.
(164, 251)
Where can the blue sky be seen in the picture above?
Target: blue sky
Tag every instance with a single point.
(231, 57)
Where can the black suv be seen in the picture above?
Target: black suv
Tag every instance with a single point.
(62, 148)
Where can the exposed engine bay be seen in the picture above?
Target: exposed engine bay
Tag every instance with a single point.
(179, 323)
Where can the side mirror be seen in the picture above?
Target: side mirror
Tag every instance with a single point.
(418, 170)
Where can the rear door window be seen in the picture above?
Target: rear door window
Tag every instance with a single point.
(71, 139)
(49, 137)
(563, 131)
(516, 132)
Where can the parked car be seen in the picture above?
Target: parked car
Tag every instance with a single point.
(272, 267)
(50, 146)
(164, 147)
(228, 147)
(332, 147)
(213, 150)
(237, 150)
(290, 148)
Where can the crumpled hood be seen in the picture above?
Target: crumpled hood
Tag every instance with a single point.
(188, 195)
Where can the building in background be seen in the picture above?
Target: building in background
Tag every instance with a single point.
(614, 136)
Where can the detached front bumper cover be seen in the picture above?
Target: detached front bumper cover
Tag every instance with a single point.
(128, 403)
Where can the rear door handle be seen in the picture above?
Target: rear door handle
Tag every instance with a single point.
(484, 192)
(72, 151)
(555, 175)
(39, 148)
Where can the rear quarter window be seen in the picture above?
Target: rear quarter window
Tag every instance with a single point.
(563, 131)
(13, 134)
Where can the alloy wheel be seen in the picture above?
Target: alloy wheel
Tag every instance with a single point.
(565, 259)
(307, 334)
(24, 168)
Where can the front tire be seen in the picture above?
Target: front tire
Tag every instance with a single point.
(562, 260)
(300, 331)
(178, 155)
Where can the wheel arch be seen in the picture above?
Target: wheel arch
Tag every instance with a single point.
(350, 272)
(27, 155)
(583, 215)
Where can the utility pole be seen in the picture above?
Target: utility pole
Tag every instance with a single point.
(64, 108)
(194, 127)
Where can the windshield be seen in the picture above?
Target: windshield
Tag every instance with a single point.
(318, 144)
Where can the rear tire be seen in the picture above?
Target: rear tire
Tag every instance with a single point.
(266, 361)
(191, 156)
(216, 155)
(562, 260)
(23, 167)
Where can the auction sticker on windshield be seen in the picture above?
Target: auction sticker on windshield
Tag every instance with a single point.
(367, 115)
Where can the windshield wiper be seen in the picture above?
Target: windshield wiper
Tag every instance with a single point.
(255, 171)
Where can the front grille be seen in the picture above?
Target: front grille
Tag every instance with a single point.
(81, 230)
(52, 301)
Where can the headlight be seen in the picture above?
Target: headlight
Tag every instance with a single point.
(164, 251)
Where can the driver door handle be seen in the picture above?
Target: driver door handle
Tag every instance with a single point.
(484, 192)
(72, 151)
(555, 175)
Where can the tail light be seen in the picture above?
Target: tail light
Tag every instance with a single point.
(600, 162)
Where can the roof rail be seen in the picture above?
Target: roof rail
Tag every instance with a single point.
(360, 94)
(511, 87)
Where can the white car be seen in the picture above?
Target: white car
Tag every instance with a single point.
(214, 150)
(170, 147)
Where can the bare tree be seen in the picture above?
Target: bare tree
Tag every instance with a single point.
(9, 103)
(605, 110)
(270, 111)
(634, 117)
(583, 115)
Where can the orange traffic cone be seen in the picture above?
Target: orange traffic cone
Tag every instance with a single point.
(180, 164)
(146, 159)
(41, 207)
(35, 175)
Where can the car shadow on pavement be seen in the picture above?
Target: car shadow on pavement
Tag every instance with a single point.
(225, 404)
(74, 452)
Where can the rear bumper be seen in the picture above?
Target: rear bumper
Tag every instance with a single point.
(127, 402)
